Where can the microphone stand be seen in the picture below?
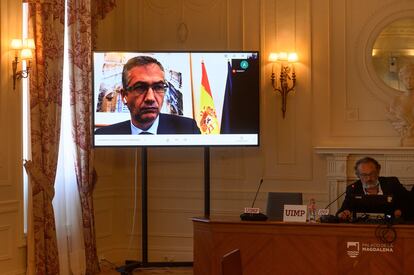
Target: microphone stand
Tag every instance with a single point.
(332, 218)
(257, 192)
(343, 193)
(254, 216)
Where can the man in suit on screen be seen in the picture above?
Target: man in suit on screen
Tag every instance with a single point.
(370, 183)
(144, 87)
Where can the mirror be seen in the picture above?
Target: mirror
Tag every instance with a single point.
(392, 51)
(393, 62)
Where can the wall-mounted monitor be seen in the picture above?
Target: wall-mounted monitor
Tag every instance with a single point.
(176, 98)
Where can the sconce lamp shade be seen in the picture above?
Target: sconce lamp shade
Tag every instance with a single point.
(283, 56)
(29, 43)
(16, 44)
(273, 57)
(293, 57)
(25, 47)
(26, 54)
(26, 43)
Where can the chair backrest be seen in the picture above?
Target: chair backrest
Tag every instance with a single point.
(276, 202)
(231, 263)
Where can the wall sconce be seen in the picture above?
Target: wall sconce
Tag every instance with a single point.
(287, 77)
(24, 48)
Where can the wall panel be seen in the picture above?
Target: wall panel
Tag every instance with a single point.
(287, 140)
(12, 239)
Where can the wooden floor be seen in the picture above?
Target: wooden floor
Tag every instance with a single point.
(148, 271)
(108, 268)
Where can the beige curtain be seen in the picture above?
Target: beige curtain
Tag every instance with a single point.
(83, 15)
(46, 25)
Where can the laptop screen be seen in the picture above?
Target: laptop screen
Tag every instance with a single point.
(381, 204)
(276, 202)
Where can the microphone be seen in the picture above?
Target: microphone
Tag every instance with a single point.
(333, 218)
(253, 214)
(257, 192)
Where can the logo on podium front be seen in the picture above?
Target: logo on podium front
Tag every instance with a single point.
(352, 249)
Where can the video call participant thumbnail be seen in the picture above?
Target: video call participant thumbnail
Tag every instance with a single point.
(144, 87)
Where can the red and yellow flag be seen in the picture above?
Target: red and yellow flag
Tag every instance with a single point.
(207, 120)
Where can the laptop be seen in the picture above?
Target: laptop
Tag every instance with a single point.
(277, 200)
(372, 206)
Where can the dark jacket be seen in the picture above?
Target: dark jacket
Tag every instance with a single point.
(389, 186)
(168, 124)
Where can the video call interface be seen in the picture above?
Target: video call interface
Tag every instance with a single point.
(218, 90)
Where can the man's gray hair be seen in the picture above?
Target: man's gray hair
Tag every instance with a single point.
(367, 160)
(137, 61)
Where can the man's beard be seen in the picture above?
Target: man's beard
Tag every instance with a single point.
(371, 184)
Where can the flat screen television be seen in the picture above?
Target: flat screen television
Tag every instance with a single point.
(217, 93)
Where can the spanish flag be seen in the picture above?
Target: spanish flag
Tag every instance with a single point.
(207, 120)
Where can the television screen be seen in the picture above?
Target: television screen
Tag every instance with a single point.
(176, 98)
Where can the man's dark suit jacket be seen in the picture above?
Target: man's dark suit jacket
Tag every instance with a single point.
(168, 124)
(389, 186)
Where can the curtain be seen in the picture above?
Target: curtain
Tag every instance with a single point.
(79, 64)
(99, 10)
(66, 204)
(46, 26)
(82, 19)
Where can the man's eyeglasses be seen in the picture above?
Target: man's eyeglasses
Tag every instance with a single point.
(143, 87)
(370, 175)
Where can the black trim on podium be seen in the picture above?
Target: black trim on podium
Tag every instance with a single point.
(130, 266)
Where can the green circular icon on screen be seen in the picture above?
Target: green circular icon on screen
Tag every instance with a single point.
(244, 64)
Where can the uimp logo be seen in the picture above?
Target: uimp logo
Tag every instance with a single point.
(294, 213)
(352, 249)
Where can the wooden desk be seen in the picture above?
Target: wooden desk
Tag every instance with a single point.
(301, 248)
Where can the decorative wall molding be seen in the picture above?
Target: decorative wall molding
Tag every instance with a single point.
(9, 206)
(6, 238)
(382, 16)
(20, 271)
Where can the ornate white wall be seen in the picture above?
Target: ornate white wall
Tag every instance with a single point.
(338, 102)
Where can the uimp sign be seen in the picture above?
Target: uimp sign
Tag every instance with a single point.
(294, 213)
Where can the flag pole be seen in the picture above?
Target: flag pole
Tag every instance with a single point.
(192, 86)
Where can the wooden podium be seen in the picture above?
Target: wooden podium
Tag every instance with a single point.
(303, 248)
